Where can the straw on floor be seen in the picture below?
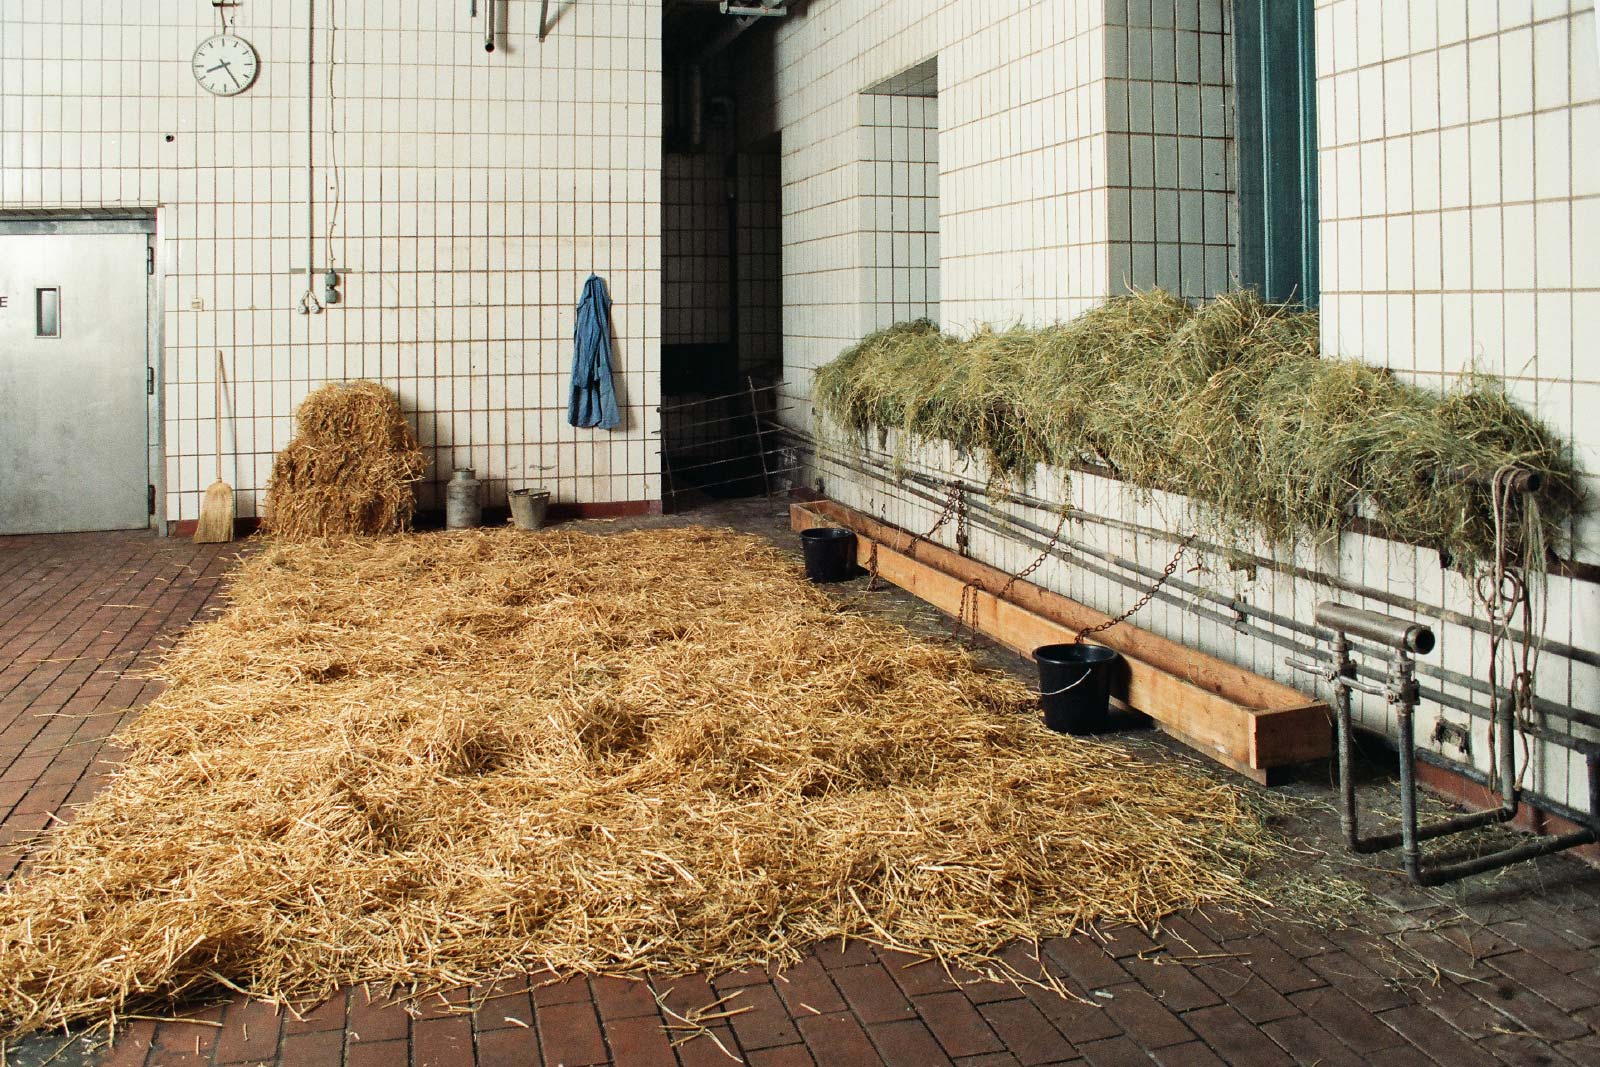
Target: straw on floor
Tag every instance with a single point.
(351, 468)
(442, 758)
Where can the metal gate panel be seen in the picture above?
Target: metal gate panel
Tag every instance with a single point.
(74, 397)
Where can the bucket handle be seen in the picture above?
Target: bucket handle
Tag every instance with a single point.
(1081, 679)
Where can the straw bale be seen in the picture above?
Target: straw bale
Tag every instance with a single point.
(350, 469)
(444, 758)
(1228, 402)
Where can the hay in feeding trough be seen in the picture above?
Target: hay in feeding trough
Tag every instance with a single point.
(350, 469)
(444, 758)
(1227, 402)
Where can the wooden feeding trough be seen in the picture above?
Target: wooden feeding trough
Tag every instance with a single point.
(1252, 724)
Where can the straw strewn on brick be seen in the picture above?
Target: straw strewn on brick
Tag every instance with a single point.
(438, 759)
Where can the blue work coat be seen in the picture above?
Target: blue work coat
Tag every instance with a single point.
(594, 400)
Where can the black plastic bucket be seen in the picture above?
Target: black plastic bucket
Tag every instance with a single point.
(830, 553)
(1075, 686)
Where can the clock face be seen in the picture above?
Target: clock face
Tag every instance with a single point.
(225, 64)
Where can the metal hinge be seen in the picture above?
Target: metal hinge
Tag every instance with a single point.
(149, 259)
(150, 498)
(149, 381)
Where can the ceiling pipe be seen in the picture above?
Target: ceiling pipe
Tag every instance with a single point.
(747, 16)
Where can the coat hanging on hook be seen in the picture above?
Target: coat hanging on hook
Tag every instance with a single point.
(593, 401)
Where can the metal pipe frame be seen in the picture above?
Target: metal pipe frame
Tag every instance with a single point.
(1229, 612)
(1401, 690)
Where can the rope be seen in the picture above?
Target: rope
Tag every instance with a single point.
(1505, 591)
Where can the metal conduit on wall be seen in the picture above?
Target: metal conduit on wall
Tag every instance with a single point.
(1236, 615)
(933, 481)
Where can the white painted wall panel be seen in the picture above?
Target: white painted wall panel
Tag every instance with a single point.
(476, 192)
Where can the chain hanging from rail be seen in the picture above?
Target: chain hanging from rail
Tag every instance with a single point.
(955, 506)
(1050, 548)
(967, 610)
(1150, 593)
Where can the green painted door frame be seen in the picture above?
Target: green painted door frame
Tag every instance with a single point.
(1276, 133)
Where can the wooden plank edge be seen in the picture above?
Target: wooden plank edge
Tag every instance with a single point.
(1252, 741)
(1191, 665)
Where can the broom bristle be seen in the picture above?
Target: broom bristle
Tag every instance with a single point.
(216, 515)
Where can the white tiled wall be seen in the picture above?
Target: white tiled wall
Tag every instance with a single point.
(900, 205)
(476, 193)
(1459, 216)
(1020, 151)
(1460, 210)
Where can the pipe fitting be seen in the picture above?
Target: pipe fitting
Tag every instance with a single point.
(1399, 634)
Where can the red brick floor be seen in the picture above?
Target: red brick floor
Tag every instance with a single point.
(1500, 970)
(82, 619)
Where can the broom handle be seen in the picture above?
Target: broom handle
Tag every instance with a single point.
(219, 415)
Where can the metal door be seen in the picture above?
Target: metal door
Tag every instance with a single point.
(74, 403)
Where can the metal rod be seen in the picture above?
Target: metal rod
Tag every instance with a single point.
(309, 304)
(716, 462)
(1401, 634)
(740, 394)
(712, 422)
(1473, 774)
(544, 19)
(666, 469)
(729, 481)
(1405, 692)
(1451, 872)
(755, 414)
(1008, 525)
(488, 23)
(1587, 656)
(691, 445)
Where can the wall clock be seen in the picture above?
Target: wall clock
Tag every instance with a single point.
(225, 64)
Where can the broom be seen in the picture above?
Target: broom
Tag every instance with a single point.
(216, 511)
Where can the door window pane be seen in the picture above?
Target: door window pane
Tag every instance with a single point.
(47, 312)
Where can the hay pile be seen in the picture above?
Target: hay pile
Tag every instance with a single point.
(1228, 403)
(441, 758)
(349, 470)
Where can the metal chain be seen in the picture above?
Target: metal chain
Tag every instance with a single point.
(1036, 564)
(955, 502)
(1149, 594)
(967, 611)
(963, 537)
